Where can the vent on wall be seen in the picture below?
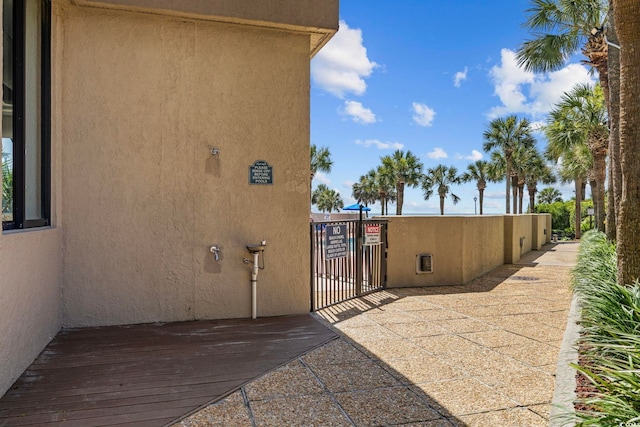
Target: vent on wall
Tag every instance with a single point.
(424, 263)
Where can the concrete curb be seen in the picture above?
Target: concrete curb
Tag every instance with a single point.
(561, 413)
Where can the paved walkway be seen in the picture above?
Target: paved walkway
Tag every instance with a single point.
(482, 354)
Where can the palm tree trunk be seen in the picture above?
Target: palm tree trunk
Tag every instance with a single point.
(514, 191)
(520, 197)
(578, 213)
(627, 21)
(400, 200)
(615, 177)
(532, 198)
(441, 205)
(532, 205)
(600, 165)
(481, 193)
(508, 160)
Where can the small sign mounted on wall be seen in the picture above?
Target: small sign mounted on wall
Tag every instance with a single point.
(261, 173)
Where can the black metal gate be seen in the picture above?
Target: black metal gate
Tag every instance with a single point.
(348, 259)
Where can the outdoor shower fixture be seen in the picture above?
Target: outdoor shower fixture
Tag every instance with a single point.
(214, 151)
(255, 250)
(215, 250)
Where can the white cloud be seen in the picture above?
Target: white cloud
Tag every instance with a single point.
(548, 90)
(379, 144)
(474, 156)
(423, 115)
(321, 178)
(459, 77)
(437, 153)
(524, 92)
(342, 65)
(358, 113)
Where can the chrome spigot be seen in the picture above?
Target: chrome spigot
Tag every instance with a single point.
(215, 250)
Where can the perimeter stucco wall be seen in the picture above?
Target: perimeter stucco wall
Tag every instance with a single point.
(518, 236)
(30, 298)
(541, 230)
(145, 97)
(462, 248)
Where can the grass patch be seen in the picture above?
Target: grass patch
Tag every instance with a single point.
(610, 344)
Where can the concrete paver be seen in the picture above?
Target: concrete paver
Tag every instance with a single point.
(482, 354)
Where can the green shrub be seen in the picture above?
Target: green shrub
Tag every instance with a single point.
(610, 343)
(559, 214)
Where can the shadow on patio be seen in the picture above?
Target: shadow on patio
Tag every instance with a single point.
(482, 354)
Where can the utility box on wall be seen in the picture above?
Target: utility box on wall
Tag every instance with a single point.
(424, 263)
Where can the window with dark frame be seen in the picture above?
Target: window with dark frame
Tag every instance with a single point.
(26, 82)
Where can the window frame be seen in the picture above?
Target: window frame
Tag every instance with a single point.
(19, 112)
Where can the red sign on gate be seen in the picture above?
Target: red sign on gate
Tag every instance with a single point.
(371, 234)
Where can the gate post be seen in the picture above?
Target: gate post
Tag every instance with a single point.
(359, 255)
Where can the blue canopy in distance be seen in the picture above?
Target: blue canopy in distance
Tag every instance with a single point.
(356, 207)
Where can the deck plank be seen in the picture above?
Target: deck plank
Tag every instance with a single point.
(151, 374)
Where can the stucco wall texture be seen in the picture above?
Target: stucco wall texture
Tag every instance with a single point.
(462, 247)
(30, 298)
(145, 98)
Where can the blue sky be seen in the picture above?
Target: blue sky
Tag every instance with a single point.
(425, 76)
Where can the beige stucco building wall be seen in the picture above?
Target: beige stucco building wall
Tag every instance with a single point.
(141, 92)
(30, 298)
(145, 99)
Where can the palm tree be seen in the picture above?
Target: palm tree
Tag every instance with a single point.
(480, 172)
(405, 169)
(584, 107)
(536, 170)
(327, 199)
(567, 145)
(383, 180)
(505, 135)
(497, 169)
(315, 194)
(528, 168)
(626, 15)
(440, 179)
(549, 195)
(575, 166)
(365, 191)
(320, 161)
(561, 28)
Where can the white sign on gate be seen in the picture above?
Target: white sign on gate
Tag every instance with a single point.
(371, 235)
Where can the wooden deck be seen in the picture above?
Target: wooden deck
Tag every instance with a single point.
(151, 374)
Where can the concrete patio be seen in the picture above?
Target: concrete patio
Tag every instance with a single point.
(482, 354)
